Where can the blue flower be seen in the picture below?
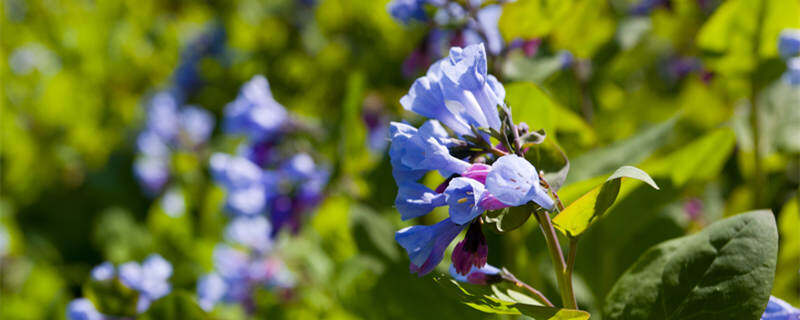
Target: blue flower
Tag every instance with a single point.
(255, 113)
(488, 18)
(458, 92)
(463, 196)
(245, 182)
(514, 181)
(406, 10)
(196, 124)
(83, 309)
(778, 309)
(152, 173)
(425, 245)
(252, 232)
(211, 289)
(229, 262)
(423, 150)
(481, 276)
(415, 200)
(104, 271)
(789, 43)
(150, 279)
(163, 116)
(792, 74)
(151, 144)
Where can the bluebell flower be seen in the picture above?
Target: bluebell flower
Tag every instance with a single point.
(778, 309)
(514, 181)
(407, 10)
(792, 73)
(252, 232)
(425, 245)
(83, 309)
(487, 274)
(211, 289)
(458, 92)
(152, 145)
(488, 18)
(163, 116)
(173, 203)
(150, 279)
(104, 271)
(196, 124)
(472, 251)
(255, 113)
(789, 43)
(230, 263)
(244, 182)
(424, 149)
(415, 200)
(463, 196)
(152, 173)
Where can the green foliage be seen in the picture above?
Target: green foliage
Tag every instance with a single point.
(581, 214)
(177, 305)
(723, 272)
(507, 219)
(112, 297)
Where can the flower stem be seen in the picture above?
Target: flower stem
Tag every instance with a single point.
(573, 250)
(564, 282)
(508, 276)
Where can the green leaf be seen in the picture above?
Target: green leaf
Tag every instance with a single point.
(722, 272)
(700, 160)
(177, 305)
(548, 157)
(112, 297)
(582, 213)
(787, 279)
(500, 300)
(528, 19)
(630, 151)
(508, 219)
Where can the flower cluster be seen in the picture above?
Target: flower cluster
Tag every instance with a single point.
(258, 180)
(457, 24)
(242, 265)
(458, 94)
(150, 279)
(169, 127)
(789, 49)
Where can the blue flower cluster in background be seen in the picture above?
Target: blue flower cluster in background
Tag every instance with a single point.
(778, 309)
(150, 280)
(243, 264)
(258, 181)
(457, 92)
(789, 49)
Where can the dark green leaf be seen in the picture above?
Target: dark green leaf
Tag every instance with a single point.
(112, 297)
(508, 219)
(548, 157)
(723, 272)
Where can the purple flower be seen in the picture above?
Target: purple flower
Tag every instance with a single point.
(481, 276)
(255, 113)
(83, 309)
(472, 251)
(514, 181)
(425, 245)
(778, 309)
(789, 43)
(458, 92)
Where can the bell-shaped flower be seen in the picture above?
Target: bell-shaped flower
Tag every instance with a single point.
(778, 309)
(415, 200)
(472, 251)
(789, 43)
(425, 245)
(104, 271)
(252, 232)
(480, 276)
(424, 149)
(255, 113)
(463, 196)
(83, 309)
(457, 91)
(514, 182)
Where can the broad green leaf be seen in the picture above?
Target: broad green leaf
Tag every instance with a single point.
(630, 151)
(700, 160)
(177, 305)
(585, 211)
(722, 272)
(495, 299)
(379, 231)
(528, 19)
(508, 219)
(518, 67)
(112, 297)
(588, 26)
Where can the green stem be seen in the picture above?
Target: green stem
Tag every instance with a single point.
(510, 277)
(573, 250)
(758, 174)
(567, 298)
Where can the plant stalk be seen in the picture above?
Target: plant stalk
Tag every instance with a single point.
(564, 283)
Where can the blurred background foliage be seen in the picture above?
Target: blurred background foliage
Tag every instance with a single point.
(689, 91)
